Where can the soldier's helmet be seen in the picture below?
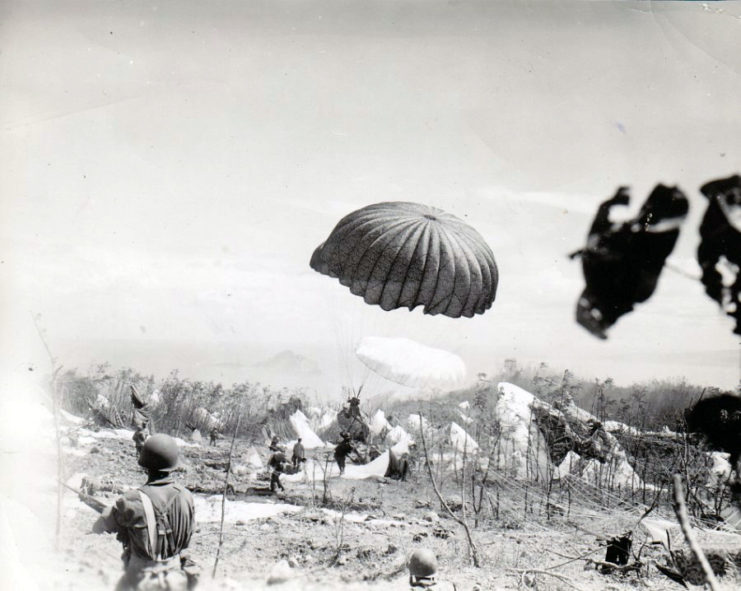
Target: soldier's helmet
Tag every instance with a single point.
(422, 565)
(160, 453)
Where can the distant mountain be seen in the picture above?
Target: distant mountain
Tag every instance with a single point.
(290, 363)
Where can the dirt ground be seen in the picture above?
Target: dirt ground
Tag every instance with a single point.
(359, 538)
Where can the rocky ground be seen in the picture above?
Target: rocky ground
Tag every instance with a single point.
(357, 537)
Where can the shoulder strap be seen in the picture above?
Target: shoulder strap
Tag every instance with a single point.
(151, 522)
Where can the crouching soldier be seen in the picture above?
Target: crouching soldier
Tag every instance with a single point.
(154, 523)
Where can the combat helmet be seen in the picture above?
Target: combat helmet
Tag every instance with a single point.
(159, 453)
(422, 568)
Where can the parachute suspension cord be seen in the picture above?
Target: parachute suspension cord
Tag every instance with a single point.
(347, 322)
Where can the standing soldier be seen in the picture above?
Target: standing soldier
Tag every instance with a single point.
(276, 463)
(343, 449)
(141, 420)
(299, 454)
(154, 523)
(214, 435)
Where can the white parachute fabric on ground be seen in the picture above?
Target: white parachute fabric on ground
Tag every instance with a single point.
(378, 423)
(465, 418)
(720, 470)
(461, 440)
(400, 440)
(658, 531)
(324, 420)
(616, 426)
(301, 426)
(524, 449)
(398, 434)
(208, 509)
(252, 459)
(374, 469)
(208, 420)
(413, 422)
(401, 447)
(616, 472)
(412, 364)
(567, 465)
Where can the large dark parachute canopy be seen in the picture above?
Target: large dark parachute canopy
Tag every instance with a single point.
(720, 232)
(400, 254)
(622, 262)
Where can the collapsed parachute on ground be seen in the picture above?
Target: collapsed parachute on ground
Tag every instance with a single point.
(720, 232)
(622, 262)
(400, 254)
(412, 364)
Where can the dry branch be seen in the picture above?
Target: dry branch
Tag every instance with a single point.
(471, 544)
(223, 495)
(680, 508)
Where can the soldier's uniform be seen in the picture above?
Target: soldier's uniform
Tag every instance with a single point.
(276, 463)
(154, 523)
(343, 449)
(299, 454)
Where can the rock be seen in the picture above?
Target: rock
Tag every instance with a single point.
(280, 573)
(292, 562)
(94, 450)
(239, 522)
(391, 549)
(455, 502)
(431, 516)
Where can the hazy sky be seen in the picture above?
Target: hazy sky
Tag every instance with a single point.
(169, 167)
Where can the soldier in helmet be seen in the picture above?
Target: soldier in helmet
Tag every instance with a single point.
(423, 571)
(422, 568)
(154, 523)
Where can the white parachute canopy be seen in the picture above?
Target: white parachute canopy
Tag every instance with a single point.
(525, 448)
(461, 440)
(412, 364)
(378, 423)
(300, 424)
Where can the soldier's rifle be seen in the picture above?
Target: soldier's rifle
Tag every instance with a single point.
(89, 500)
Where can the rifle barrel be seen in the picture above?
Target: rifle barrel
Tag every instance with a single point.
(89, 500)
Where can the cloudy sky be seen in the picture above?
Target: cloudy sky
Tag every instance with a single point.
(169, 167)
